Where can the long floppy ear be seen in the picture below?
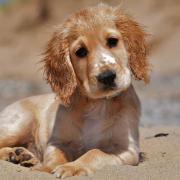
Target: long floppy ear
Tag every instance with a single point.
(58, 68)
(134, 38)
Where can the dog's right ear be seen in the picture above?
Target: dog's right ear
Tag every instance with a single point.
(58, 68)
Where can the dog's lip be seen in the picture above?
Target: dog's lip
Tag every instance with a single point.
(113, 86)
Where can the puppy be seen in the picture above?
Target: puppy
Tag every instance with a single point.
(91, 120)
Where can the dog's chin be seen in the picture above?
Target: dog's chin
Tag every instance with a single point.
(105, 93)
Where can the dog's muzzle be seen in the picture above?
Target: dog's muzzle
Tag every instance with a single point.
(107, 79)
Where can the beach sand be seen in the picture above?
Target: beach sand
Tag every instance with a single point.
(161, 161)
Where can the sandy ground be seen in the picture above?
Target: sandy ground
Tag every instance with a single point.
(161, 161)
(22, 40)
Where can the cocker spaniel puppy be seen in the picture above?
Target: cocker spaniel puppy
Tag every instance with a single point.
(92, 118)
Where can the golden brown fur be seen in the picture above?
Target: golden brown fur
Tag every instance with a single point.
(92, 119)
(57, 54)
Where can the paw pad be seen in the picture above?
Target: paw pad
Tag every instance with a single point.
(23, 157)
(18, 151)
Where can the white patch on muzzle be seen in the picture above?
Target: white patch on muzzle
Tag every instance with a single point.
(106, 59)
(125, 78)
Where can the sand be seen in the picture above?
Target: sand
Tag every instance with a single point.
(161, 161)
(22, 42)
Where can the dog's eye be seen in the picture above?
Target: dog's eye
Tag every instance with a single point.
(112, 42)
(81, 52)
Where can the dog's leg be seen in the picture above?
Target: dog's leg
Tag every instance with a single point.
(18, 155)
(93, 160)
(16, 123)
(53, 157)
(96, 159)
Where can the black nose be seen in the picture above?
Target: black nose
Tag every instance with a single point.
(107, 78)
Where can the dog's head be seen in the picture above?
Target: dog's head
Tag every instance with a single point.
(97, 50)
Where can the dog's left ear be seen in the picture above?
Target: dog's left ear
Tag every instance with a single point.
(134, 36)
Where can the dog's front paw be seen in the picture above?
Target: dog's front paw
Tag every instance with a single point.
(71, 169)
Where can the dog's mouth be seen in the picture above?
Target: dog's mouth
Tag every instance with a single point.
(108, 83)
(110, 87)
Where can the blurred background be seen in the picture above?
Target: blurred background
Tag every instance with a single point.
(26, 25)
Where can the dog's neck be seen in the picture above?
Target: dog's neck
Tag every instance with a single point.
(79, 99)
(82, 109)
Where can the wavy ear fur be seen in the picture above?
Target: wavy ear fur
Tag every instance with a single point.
(134, 39)
(58, 68)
